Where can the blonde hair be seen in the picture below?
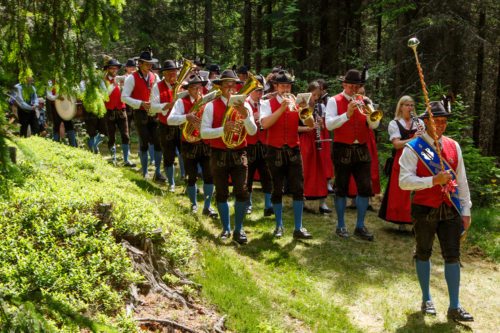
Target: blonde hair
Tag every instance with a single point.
(399, 114)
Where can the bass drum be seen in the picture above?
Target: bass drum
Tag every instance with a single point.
(66, 107)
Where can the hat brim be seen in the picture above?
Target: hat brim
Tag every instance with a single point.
(118, 65)
(203, 83)
(162, 69)
(219, 81)
(152, 61)
(426, 115)
(343, 80)
(282, 82)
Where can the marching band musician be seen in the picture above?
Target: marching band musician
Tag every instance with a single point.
(225, 162)
(162, 104)
(280, 117)
(130, 67)
(256, 153)
(396, 204)
(437, 208)
(350, 153)
(136, 93)
(195, 153)
(316, 182)
(27, 100)
(56, 118)
(116, 115)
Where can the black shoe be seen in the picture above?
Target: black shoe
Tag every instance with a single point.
(363, 233)
(225, 235)
(324, 210)
(268, 211)
(302, 234)
(342, 232)
(210, 213)
(194, 209)
(459, 314)
(129, 164)
(240, 237)
(159, 178)
(248, 211)
(428, 308)
(278, 232)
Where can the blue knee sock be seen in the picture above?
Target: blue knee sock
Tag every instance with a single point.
(424, 277)
(151, 151)
(452, 276)
(191, 192)
(126, 152)
(223, 209)
(158, 156)
(249, 202)
(267, 200)
(298, 206)
(340, 203)
(208, 190)
(239, 215)
(112, 150)
(90, 143)
(56, 137)
(97, 141)
(181, 163)
(362, 206)
(144, 162)
(170, 174)
(278, 214)
(72, 138)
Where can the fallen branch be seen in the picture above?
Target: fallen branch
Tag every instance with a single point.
(219, 325)
(167, 322)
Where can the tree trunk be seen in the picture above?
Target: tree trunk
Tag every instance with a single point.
(209, 30)
(247, 33)
(269, 32)
(258, 38)
(496, 137)
(479, 79)
(379, 45)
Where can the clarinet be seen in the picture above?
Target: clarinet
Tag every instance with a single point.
(317, 127)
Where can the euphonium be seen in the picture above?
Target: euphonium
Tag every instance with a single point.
(365, 106)
(235, 137)
(187, 66)
(190, 131)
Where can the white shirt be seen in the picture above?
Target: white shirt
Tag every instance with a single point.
(128, 87)
(408, 179)
(333, 120)
(177, 116)
(393, 128)
(156, 105)
(207, 132)
(50, 96)
(26, 105)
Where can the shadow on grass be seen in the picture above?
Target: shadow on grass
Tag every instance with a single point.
(147, 186)
(415, 323)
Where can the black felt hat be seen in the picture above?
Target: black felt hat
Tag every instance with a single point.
(242, 70)
(130, 63)
(283, 77)
(169, 65)
(112, 62)
(147, 57)
(438, 109)
(214, 68)
(227, 75)
(353, 76)
(194, 79)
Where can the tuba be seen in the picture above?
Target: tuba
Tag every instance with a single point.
(187, 66)
(190, 131)
(237, 135)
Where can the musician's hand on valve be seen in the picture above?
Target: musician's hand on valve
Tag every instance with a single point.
(241, 110)
(229, 126)
(441, 178)
(351, 107)
(193, 119)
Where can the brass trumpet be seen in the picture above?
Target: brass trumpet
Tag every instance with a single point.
(304, 113)
(365, 106)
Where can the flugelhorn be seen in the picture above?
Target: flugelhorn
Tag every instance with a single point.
(365, 107)
(304, 112)
(237, 134)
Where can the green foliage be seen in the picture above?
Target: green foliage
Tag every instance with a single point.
(60, 240)
(486, 231)
(482, 174)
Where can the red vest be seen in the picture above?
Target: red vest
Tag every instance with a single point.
(141, 90)
(219, 108)
(165, 97)
(355, 128)
(285, 130)
(433, 197)
(115, 98)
